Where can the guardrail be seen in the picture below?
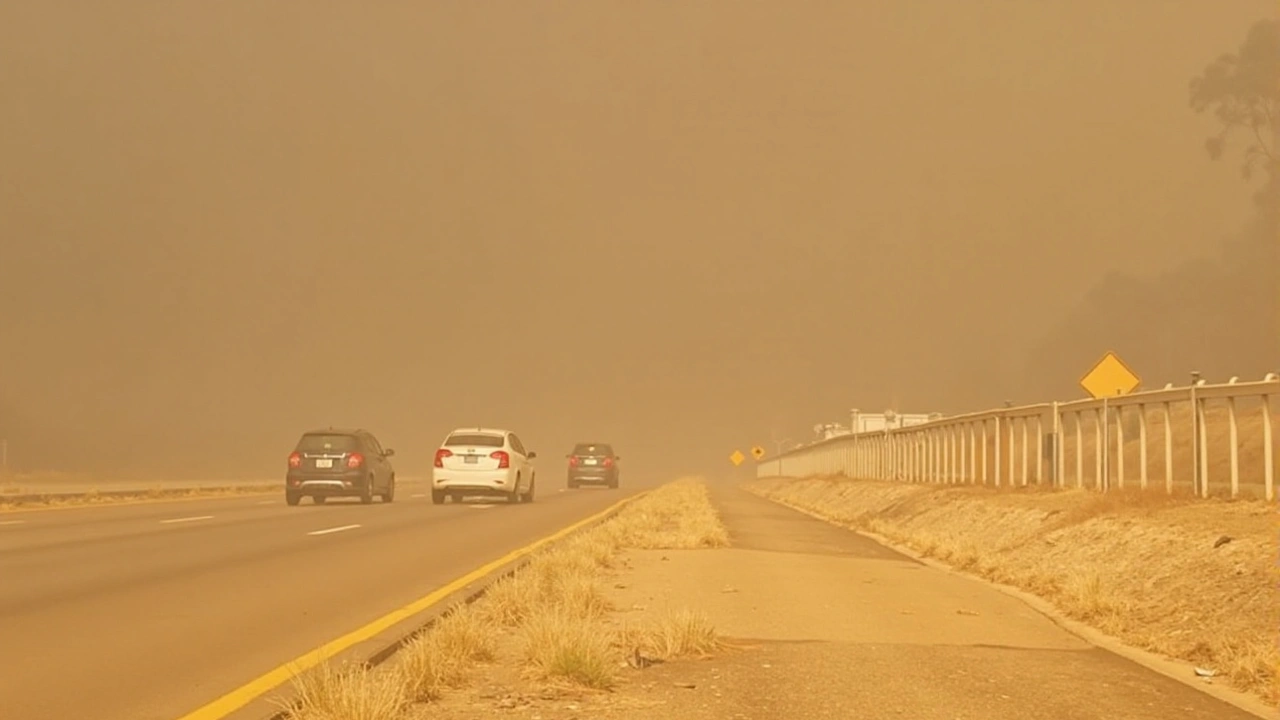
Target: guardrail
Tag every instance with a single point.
(1206, 439)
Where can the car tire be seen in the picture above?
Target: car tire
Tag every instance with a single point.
(437, 497)
(318, 499)
(533, 485)
(390, 494)
(292, 498)
(366, 492)
(573, 484)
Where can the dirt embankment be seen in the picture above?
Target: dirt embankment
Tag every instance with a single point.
(1191, 579)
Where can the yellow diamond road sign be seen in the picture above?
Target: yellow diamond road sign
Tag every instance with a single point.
(737, 457)
(757, 452)
(1110, 378)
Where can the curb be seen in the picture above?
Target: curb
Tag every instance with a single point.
(1178, 670)
(380, 649)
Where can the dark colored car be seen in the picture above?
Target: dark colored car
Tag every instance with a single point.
(593, 464)
(339, 463)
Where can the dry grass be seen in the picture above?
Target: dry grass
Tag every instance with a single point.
(329, 692)
(559, 645)
(439, 658)
(675, 633)
(10, 500)
(554, 607)
(677, 516)
(1140, 566)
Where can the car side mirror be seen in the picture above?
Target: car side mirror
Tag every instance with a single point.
(532, 454)
(388, 452)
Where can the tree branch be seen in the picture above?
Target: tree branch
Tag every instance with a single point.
(1262, 147)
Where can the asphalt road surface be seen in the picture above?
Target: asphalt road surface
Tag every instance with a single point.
(146, 612)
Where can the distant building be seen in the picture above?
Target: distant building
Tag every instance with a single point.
(826, 431)
(888, 420)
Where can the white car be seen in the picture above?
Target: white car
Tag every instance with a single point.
(483, 461)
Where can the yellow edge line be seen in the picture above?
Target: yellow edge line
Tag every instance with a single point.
(257, 687)
(124, 503)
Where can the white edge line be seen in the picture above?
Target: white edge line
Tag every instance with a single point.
(11, 522)
(186, 519)
(326, 531)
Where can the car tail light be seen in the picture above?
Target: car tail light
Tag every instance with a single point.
(355, 460)
(573, 461)
(504, 460)
(295, 459)
(441, 454)
(608, 462)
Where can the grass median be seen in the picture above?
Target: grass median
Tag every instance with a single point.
(548, 622)
(27, 499)
(1190, 579)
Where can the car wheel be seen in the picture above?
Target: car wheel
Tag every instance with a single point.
(318, 499)
(513, 497)
(292, 498)
(390, 494)
(366, 493)
(437, 497)
(533, 485)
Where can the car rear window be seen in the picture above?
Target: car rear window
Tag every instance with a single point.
(326, 443)
(592, 449)
(475, 440)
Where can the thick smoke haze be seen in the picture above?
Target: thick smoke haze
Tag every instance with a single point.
(678, 227)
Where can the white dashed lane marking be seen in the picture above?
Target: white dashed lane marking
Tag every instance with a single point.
(333, 530)
(186, 519)
(11, 522)
(480, 506)
(417, 495)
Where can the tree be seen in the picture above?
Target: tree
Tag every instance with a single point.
(1243, 91)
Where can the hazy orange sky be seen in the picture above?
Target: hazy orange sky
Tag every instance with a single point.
(673, 226)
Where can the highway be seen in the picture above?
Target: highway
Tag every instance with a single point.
(146, 612)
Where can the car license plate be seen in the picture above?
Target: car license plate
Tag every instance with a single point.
(589, 461)
(324, 462)
(471, 459)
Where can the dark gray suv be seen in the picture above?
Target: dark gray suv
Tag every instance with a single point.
(593, 464)
(339, 463)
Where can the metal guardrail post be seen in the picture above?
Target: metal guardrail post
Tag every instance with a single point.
(983, 447)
